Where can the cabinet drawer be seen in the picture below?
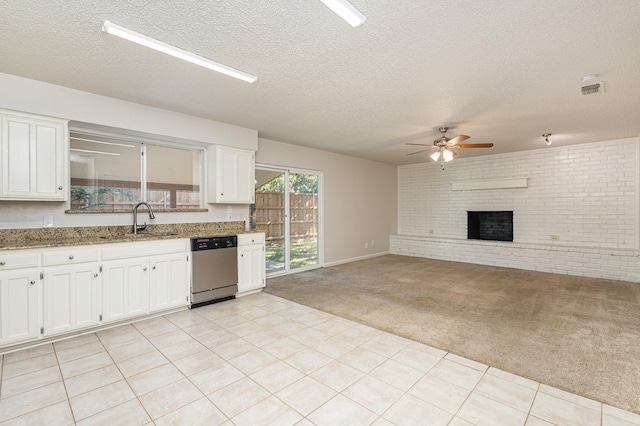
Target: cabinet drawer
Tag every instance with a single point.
(146, 248)
(17, 261)
(69, 256)
(253, 238)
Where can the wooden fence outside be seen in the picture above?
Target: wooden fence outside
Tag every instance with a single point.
(268, 215)
(94, 194)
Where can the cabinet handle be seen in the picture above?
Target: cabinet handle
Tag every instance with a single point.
(32, 282)
(144, 269)
(71, 257)
(222, 193)
(60, 188)
(95, 275)
(154, 268)
(2, 263)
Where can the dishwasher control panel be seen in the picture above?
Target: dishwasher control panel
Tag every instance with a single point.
(212, 243)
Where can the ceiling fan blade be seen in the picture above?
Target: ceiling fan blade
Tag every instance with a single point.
(419, 144)
(418, 152)
(458, 139)
(475, 145)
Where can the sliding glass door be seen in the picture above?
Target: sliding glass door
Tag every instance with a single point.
(287, 211)
(268, 216)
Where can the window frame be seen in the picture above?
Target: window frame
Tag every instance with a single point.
(144, 142)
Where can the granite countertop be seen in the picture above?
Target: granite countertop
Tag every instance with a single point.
(12, 239)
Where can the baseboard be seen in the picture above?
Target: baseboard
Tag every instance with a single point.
(353, 259)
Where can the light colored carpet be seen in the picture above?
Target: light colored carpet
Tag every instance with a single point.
(577, 334)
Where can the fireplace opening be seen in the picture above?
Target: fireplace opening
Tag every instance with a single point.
(496, 226)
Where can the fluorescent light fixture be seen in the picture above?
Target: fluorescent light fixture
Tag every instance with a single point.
(160, 46)
(346, 11)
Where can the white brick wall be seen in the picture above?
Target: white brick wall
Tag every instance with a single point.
(585, 194)
(615, 264)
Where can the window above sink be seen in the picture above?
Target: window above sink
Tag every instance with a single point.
(112, 173)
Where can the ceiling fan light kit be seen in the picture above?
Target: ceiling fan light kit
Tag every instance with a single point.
(443, 147)
(546, 138)
(447, 155)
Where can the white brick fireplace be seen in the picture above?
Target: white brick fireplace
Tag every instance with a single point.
(577, 213)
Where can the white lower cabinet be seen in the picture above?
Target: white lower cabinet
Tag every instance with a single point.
(19, 306)
(71, 298)
(54, 291)
(169, 281)
(125, 289)
(251, 262)
(143, 277)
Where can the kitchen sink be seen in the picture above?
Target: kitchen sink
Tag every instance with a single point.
(151, 234)
(140, 235)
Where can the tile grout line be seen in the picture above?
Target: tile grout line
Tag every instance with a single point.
(470, 392)
(204, 396)
(38, 387)
(64, 385)
(305, 375)
(115, 364)
(170, 362)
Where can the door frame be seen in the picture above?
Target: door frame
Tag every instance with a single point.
(287, 237)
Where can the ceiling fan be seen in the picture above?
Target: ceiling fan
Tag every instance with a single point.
(443, 146)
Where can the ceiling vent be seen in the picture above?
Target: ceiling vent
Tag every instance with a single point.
(591, 85)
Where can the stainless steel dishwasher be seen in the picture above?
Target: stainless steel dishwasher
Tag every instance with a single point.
(214, 269)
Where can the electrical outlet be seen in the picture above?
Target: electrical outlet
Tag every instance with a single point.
(366, 245)
(373, 243)
(555, 238)
(47, 221)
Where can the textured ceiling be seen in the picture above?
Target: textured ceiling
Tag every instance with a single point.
(499, 71)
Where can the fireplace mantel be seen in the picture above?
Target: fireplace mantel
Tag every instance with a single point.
(470, 185)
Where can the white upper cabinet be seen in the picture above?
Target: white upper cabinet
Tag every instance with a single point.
(34, 157)
(230, 175)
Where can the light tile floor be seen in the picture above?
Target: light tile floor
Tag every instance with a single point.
(262, 360)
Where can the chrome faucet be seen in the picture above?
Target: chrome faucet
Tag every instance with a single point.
(137, 227)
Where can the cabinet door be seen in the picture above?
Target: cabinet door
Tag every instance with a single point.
(232, 177)
(251, 267)
(71, 298)
(18, 306)
(125, 289)
(169, 281)
(33, 159)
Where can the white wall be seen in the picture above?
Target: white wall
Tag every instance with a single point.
(102, 113)
(359, 195)
(359, 198)
(586, 195)
(36, 97)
